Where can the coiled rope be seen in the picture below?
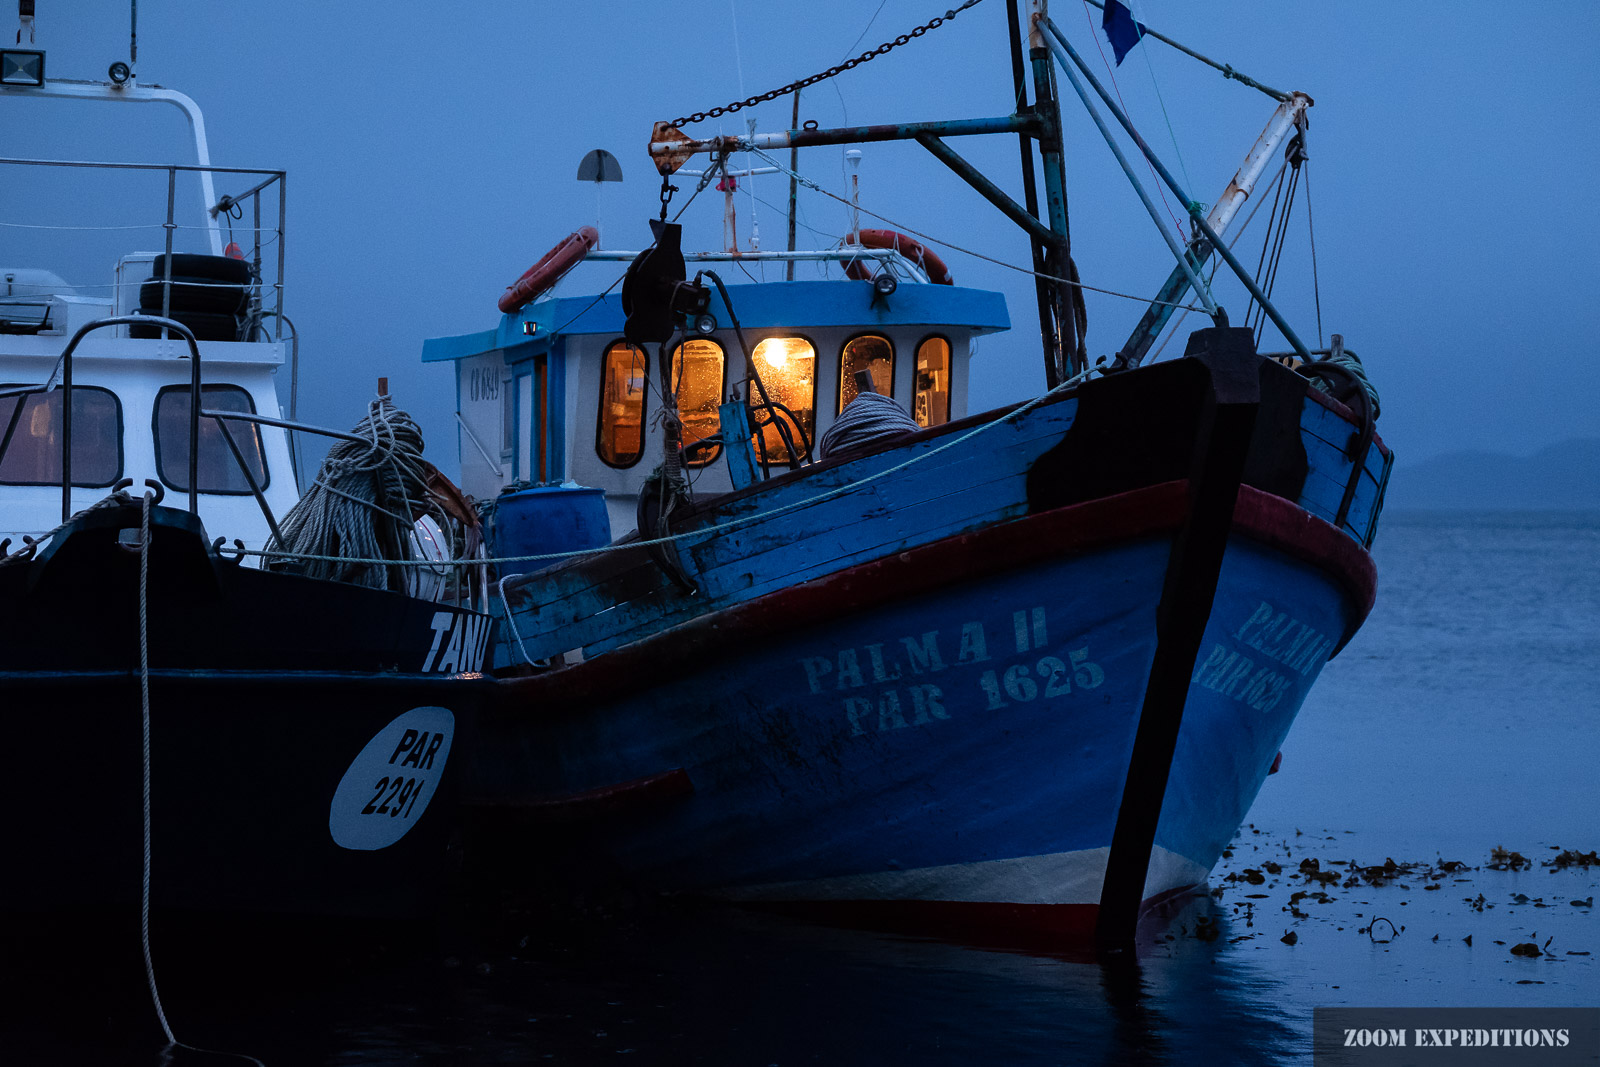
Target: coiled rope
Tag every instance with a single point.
(868, 419)
(360, 512)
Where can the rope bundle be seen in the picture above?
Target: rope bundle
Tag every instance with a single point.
(868, 419)
(364, 504)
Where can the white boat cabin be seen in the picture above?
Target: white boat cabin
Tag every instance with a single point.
(130, 409)
(131, 383)
(554, 394)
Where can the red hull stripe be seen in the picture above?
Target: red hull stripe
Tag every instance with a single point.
(1002, 925)
(1149, 512)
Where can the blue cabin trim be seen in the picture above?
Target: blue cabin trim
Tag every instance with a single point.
(762, 306)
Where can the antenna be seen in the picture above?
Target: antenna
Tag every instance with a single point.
(599, 166)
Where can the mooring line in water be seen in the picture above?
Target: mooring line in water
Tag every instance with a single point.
(144, 887)
(144, 737)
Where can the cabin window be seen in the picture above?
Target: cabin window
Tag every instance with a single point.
(619, 435)
(788, 367)
(697, 368)
(218, 471)
(931, 400)
(33, 456)
(869, 352)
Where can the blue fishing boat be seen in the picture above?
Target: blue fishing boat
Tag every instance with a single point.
(862, 653)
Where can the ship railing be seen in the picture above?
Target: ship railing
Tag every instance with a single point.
(897, 262)
(223, 207)
(196, 413)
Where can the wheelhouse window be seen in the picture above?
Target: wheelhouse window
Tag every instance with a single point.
(697, 369)
(619, 434)
(35, 423)
(931, 403)
(869, 352)
(217, 470)
(788, 367)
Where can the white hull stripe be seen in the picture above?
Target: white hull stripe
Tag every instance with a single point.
(1056, 878)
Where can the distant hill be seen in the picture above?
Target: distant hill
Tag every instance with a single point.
(1564, 476)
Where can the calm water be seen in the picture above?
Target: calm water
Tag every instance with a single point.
(1465, 716)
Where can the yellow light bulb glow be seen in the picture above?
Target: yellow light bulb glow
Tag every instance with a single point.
(777, 352)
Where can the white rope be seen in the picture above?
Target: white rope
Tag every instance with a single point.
(144, 702)
(355, 520)
(144, 737)
(868, 418)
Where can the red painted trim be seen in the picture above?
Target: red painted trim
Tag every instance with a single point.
(1148, 512)
(606, 800)
(1029, 927)
(691, 645)
(1277, 523)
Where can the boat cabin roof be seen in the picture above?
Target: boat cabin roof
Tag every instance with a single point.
(759, 305)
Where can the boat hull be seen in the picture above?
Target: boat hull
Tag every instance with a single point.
(300, 761)
(955, 756)
(1030, 679)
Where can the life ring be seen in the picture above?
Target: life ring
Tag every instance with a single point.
(913, 250)
(545, 273)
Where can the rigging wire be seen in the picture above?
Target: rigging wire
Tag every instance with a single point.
(1172, 330)
(1154, 178)
(1316, 285)
(977, 255)
(1160, 99)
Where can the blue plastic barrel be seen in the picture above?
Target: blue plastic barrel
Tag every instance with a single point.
(549, 518)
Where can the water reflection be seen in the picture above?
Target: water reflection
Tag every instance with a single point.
(675, 985)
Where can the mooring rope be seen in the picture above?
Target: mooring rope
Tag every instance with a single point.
(355, 520)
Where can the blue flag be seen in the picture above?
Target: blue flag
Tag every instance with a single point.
(1121, 29)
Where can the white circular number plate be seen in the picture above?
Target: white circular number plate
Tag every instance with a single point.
(390, 783)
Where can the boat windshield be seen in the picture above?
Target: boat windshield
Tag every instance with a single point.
(218, 471)
(33, 453)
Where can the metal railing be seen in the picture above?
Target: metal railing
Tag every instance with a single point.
(224, 204)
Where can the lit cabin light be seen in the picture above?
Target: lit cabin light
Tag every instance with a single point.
(778, 351)
(789, 382)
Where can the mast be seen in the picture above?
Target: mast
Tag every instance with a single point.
(1063, 359)
(794, 181)
(1030, 193)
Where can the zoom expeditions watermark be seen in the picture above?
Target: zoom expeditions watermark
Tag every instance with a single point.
(1357, 1037)
(1390, 1037)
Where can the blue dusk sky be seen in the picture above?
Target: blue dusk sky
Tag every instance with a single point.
(432, 148)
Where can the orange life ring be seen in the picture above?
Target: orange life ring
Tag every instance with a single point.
(913, 250)
(545, 273)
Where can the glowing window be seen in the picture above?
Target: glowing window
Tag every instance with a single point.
(788, 367)
(619, 434)
(931, 404)
(217, 469)
(869, 353)
(33, 456)
(697, 377)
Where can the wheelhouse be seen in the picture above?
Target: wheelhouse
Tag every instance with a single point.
(554, 394)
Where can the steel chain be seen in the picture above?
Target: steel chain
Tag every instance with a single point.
(849, 64)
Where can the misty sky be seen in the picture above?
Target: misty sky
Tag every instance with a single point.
(431, 152)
